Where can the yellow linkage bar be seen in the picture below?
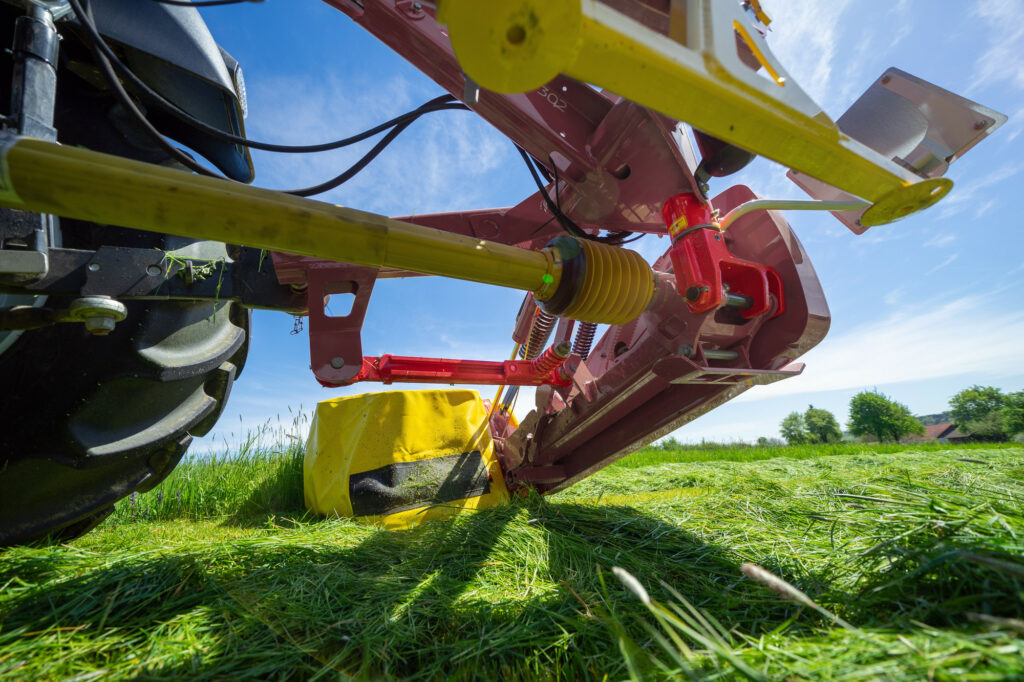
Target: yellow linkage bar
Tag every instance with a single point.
(78, 183)
(519, 45)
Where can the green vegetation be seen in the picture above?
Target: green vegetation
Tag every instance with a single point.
(988, 412)
(872, 413)
(841, 561)
(813, 426)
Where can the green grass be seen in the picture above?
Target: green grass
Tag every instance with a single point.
(911, 561)
(715, 452)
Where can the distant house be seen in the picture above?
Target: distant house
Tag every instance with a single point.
(943, 433)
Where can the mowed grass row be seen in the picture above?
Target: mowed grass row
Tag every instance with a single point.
(917, 552)
(262, 481)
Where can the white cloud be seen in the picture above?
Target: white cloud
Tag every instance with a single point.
(929, 340)
(949, 259)
(1002, 62)
(965, 194)
(940, 241)
(804, 37)
(894, 296)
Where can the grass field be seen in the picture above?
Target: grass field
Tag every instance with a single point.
(894, 564)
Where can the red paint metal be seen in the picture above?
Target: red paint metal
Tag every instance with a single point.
(335, 343)
(706, 270)
(391, 369)
(645, 386)
(616, 162)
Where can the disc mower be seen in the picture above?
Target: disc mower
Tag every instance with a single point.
(117, 249)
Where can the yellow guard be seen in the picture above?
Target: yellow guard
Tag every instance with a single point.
(399, 458)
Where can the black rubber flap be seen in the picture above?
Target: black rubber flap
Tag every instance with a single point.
(409, 485)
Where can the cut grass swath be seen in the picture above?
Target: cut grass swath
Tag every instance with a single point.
(917, 550)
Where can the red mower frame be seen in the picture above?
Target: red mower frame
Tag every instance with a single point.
(758, 305)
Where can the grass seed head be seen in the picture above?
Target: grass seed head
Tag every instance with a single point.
(776, 584)
(632, 584)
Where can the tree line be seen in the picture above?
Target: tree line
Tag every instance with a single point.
(979, 411)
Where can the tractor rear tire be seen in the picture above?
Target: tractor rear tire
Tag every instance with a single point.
(88, 420)
(92, 419)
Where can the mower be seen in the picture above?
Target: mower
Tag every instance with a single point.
(128, 267)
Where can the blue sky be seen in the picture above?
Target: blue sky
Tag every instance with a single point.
(920, 308)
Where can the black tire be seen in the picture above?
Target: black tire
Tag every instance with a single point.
(91, 419)
(87, 420)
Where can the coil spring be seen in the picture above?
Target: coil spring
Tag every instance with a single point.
(552, 358)
(584, 339)
(540, 330)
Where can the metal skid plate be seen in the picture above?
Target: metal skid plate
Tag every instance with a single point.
(920, 126)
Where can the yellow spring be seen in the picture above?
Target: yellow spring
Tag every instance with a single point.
(617, 285)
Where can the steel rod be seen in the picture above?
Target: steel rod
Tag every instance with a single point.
(789, 205)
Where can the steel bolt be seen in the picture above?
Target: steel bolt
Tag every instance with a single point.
(100, 325)
(337, 362)
(100, 314)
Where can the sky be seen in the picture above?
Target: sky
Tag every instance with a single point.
(920, 309)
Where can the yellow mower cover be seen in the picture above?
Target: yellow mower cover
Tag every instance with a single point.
(399, 458)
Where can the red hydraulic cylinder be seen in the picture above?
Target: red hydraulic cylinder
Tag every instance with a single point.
(707, 274)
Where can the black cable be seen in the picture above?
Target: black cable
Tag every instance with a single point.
(369, 156)
(203, 3)
(617, 238)
(84, 16)
(614, 238)
(183, 115)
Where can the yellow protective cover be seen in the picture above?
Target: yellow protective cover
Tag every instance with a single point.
(363, 433)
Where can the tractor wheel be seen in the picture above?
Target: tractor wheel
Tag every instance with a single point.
(88, 420)
(91, 419)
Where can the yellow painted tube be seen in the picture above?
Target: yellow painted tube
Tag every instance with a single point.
(79, 183)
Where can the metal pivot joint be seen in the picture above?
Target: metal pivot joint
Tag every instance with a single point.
(99, 313)
(34, 85)
(707, 274)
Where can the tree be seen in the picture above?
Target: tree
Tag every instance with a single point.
(1013, 414)
(793, 429)
(822, 426)
(878, 415)
(977, 410)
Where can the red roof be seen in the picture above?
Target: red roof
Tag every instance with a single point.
(936, 431)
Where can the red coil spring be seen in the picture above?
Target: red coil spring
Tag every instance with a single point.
(552, 358)
(540, 330)
(584, 339)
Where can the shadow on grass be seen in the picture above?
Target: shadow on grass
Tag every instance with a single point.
(514, 592)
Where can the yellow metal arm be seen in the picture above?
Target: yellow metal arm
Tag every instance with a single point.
(519, 45)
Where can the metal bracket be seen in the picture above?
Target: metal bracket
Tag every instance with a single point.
(335, 342)
(126, 273)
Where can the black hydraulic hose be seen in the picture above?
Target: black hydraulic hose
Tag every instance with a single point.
(203, 3)
(436, 104)
(84, 16)
(614, 238)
